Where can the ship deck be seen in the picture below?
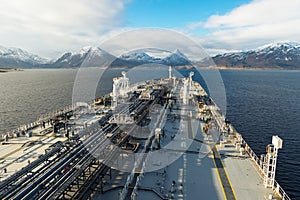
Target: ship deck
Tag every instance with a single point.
(186, 162)
(18, 152)
(244, 176)
(191, 164)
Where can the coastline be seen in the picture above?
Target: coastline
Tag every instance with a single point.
(5, 70)
(252, 68)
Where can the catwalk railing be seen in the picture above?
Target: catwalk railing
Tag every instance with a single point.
(279, 190)
(220, 119)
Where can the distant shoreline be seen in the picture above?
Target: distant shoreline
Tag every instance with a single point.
(5, 70)
(252, 68)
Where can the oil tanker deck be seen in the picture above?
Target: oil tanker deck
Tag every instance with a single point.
(157, 139)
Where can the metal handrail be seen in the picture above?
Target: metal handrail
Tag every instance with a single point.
(279, 190)
(219, 117)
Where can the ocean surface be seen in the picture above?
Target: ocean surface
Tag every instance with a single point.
(265, 103)
(259, 104)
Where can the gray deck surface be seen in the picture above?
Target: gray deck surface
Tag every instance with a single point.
(200, 168)
(223, 176)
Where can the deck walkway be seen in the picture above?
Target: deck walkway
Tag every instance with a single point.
(228, 190)
(242, 173)
(19, 151)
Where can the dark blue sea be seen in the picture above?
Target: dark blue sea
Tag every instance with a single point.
(266, 103)
(260, 104)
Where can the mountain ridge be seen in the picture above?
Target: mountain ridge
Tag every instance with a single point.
(16, 57)
(280, 55)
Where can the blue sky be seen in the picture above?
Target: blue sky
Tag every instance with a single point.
(175, 13)
(50, 28)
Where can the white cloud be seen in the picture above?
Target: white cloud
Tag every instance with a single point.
(194, 25)
(43, 26)
(253, 24)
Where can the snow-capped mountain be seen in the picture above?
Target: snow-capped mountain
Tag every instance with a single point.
(87, 56)
(137, 56)
(18, 58)
(285, 55)
(175, 59)
(281, 55)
